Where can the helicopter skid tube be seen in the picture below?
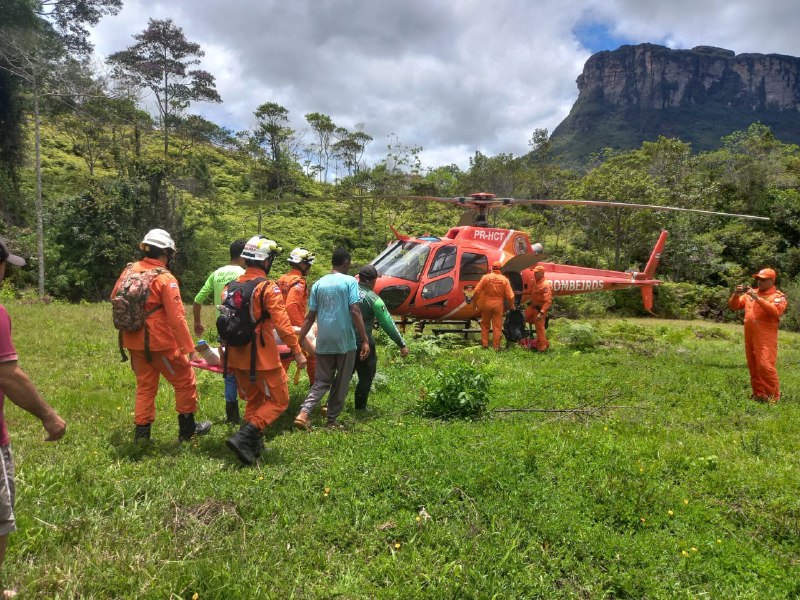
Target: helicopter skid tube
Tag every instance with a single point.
(462, 326)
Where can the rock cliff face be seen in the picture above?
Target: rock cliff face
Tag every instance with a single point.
(636, 93)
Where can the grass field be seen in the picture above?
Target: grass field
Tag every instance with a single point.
(685, 489)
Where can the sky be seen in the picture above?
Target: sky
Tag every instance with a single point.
(449, 76)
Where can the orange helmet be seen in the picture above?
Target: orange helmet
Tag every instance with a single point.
(497, 265)
(538, 269)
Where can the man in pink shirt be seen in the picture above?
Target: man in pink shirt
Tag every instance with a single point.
(15, 383)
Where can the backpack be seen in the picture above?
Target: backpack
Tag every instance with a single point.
(235, 324)
(514, 326)
(127, 305)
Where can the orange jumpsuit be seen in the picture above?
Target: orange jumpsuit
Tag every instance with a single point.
(761, 319)
(268, 396)
(295, 296)
(169, 341)
(541, 301)
(491, 294)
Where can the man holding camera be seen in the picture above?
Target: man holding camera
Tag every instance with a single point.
(763, 307)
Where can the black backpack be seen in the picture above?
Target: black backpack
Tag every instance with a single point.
(235, 325)
(514, 326)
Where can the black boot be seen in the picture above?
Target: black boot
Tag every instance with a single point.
(247, 443)
(232, 412)
(187, 428)
(142, 433)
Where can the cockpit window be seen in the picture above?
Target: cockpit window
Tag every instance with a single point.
(443, 261)
(404, 260)
(473, 266)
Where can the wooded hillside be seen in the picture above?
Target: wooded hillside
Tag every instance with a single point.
(109, 171)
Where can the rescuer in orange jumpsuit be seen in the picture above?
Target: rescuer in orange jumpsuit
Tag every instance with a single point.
(295, 295)
(163, 345)
(491, 295)
(541, 301)
(267, 395)
(762, 310)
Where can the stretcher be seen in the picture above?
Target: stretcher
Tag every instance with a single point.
(201, 363)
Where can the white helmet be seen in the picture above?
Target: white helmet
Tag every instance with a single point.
(537, 248)
(260, 248)
(159, 239)
(301, 255)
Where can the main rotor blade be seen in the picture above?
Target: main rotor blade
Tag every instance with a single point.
(604, 204)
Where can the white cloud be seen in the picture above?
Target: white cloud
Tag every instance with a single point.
(451, 76)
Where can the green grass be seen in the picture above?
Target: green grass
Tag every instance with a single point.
(688, 490)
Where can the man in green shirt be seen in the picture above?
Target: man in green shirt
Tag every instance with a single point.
(372, 308)
(213, 287)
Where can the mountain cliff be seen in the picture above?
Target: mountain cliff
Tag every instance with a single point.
(636, 93)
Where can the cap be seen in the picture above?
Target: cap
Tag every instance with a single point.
(11, 259)
(765, 274)
(367, 273)
(538, 269)
(497, 265)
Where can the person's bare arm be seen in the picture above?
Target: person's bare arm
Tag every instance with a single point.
(307, 324)
(358, 323)
(198, 323)
(21, 391)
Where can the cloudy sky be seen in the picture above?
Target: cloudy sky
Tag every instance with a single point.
(450, 76)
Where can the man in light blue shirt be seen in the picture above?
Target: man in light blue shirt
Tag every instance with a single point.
(333, 304)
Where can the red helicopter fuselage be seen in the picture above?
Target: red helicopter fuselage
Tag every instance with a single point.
(432, 278)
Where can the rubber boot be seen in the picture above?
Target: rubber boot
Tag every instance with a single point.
(142, 433)
(246, 443)
(232, 412)
(187, 428)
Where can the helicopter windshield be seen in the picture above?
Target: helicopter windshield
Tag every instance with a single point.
(404, 260)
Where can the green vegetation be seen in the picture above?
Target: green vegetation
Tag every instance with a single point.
(459, 391)
(659, 479)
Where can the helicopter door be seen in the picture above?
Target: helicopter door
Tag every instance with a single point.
(472, 267)
(434, 293)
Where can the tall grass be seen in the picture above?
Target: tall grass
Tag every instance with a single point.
(661, 481)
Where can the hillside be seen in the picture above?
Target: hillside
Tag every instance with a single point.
(637, 93)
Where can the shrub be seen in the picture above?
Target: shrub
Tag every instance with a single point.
(458, 392)
(578, 336)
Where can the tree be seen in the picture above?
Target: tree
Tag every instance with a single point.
(272, 130)
(161, 60)
(350, 148)
(39, 44)
(323, 128)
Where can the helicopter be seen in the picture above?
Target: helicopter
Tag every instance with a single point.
(432, 278)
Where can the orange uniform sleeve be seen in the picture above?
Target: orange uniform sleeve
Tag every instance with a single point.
(273, 300)
(736, 302)
(170, 295)
(547, 296)
(774, 306)
(509, 293)
(296, 303)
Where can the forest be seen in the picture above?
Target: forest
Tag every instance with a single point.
(93, 154)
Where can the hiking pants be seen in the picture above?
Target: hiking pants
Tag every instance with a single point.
(492, 313)
(176, 370)
(231, 390)
(266, 398)
(366, 370)
(541, 337)
(333, 373)
(761, 348)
